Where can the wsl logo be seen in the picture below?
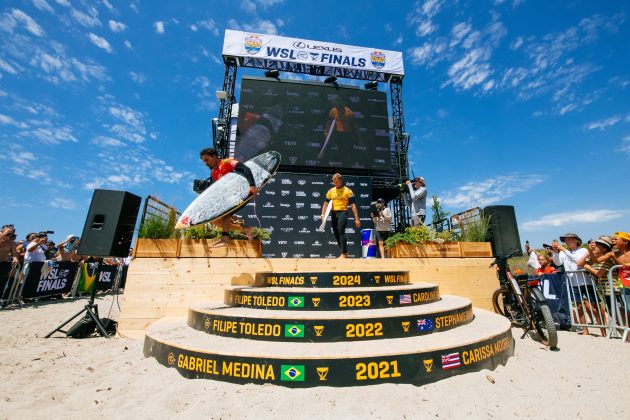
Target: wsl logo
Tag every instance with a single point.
(253, 44)
(378, 59)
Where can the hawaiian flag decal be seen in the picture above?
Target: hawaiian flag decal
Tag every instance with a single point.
(450, 361)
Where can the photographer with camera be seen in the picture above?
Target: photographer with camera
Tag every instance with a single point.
(36, 250)
(8, 247)
(418, 193)
(382, 219)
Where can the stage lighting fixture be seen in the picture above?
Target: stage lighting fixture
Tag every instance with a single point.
(371, 85)
(221, 94)
(272, 73)
(331, 79)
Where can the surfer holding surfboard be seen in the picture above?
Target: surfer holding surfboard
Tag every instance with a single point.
(339, 198)
(220, 168)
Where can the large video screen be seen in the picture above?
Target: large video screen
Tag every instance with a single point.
(313, 124)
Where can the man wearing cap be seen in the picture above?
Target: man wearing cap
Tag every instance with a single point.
(382, 219)
(583, 292)
(418, 192)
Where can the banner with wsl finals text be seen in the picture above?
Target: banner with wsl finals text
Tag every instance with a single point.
(303, 51)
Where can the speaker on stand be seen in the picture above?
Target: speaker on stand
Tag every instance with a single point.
(108, 232)
(503, 232)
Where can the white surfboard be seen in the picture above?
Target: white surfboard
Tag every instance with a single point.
(229, 193)
(322, 227)
(330, 130)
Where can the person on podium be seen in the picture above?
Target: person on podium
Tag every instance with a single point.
(340, 197)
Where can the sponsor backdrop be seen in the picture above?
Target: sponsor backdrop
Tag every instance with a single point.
(297, 50)
(294, 118)
(290, 207)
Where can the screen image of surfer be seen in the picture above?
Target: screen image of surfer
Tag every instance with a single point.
(313, 124)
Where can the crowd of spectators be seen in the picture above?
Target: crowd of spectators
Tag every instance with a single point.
(37, 247)
(586, 267)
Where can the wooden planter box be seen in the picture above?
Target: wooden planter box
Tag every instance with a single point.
(156, 248)
(196, 248)
(444, 250)
(233, 249)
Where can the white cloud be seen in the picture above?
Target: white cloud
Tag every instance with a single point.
(63, 203)
(64, 3)
(21, 157)
(7, 67)
(249, 6)
(89, 21)
(490, 191)
(109, 6)
(10, 21)
(100, 42)
(260, 26)
(193, 27)
(209, 25)
(625, 147)
(137, 77)
(571, 218)
(603, 124)
(136, 166)
(116, 26)
(422, 17)
(518, 43)
(105, 141)
(128, 45)
(159, 27)
(43, 6)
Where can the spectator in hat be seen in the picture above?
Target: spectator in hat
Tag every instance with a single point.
(583, 292)
(418, 192)
(382, 219)
(8, 247)
(598, 247)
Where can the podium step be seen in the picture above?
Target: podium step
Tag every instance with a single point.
(332, 279)
(329, 299)
(327, 326)
(483, 343)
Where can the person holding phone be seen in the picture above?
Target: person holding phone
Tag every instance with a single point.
(68, 249)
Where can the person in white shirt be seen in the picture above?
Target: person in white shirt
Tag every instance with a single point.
(583, 292)
(418, 192)
(36, 250)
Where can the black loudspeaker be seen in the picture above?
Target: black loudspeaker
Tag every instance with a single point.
(503, 232)
(110, 223)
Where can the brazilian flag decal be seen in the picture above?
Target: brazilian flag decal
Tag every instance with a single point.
(293, 330)
(296, 301)
(294, 373)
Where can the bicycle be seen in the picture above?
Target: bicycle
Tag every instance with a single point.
(523, 303)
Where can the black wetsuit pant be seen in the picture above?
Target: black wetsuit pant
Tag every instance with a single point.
(339, 220)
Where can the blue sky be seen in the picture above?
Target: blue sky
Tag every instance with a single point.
(507, 102)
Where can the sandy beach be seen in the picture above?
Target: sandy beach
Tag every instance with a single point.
(95, 378)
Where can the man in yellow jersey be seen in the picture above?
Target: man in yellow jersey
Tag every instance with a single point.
(341, 197)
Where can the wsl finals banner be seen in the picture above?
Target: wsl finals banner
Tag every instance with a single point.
(297, 50)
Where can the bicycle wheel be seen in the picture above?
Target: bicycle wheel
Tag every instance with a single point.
(499, 302)
(543, 322)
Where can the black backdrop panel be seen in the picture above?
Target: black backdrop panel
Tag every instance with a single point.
(290, 206)
(292, 118)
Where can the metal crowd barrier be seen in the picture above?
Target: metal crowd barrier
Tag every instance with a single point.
(19, 277)
(587, 300)
(620, 306)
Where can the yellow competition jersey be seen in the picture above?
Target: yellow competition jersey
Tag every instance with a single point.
(339, 197)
